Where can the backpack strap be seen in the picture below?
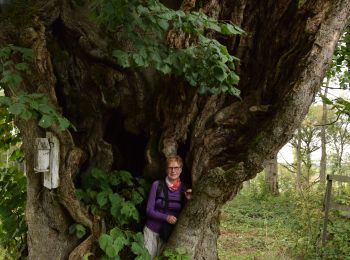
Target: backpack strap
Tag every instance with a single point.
(163, 188)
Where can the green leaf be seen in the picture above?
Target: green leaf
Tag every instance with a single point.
(6, 101)
(111, 251)
(5, 52)
(116, 201)
(214, 26)
(99, 174)
(166, 69)
(77, 229)
(326, 100)
(163, 24)
(26, 114)
(44, 108)
(126, 177)
(22, 66)
(46, 121)
(105, 241)
(119, 242)
(136, 198)
(102, 198)
(122, 58)
(233, 78)
(17, 108)
(129, 211)
(137, 247)
(219, 73)
(63, 123)
(13, 80)
(138, 59)
(229, 29)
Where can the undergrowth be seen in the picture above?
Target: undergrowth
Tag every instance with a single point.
(256, 225)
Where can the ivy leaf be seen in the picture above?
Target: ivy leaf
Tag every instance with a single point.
(46, 121)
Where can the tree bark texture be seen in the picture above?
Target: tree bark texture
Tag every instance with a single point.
(130, 119)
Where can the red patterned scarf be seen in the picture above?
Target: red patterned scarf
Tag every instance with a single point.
(173, 186)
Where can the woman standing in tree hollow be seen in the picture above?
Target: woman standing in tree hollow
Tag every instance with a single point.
(165, 202)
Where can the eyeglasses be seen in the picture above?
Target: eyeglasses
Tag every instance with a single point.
(174, 168)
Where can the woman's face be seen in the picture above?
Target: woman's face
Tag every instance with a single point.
(173, 170)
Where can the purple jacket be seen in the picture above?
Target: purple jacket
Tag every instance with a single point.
(156, 214)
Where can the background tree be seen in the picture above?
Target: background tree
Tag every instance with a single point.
(306, 142)
(324, 120)
(271, 175)
(339, 141)
(130, 118)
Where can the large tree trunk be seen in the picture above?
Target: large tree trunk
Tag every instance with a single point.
(130, 119)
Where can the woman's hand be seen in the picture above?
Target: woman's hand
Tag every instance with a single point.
(188, 194)
(171, 219)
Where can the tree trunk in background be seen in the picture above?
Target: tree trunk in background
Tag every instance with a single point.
(298, 159)
(131, 119)
(323, 162)
(271, 175)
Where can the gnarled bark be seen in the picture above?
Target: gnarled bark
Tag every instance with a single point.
(131, 119)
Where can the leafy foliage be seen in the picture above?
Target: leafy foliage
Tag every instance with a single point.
(12, 223)
(177, 254)
(340, 67)
(78, 230)
(145, 25)
(12, 189)
(289, 226)
(24, 105)
(114, 196)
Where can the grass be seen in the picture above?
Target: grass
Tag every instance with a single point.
(254, 228)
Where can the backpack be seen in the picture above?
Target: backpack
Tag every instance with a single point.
(167, 228)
